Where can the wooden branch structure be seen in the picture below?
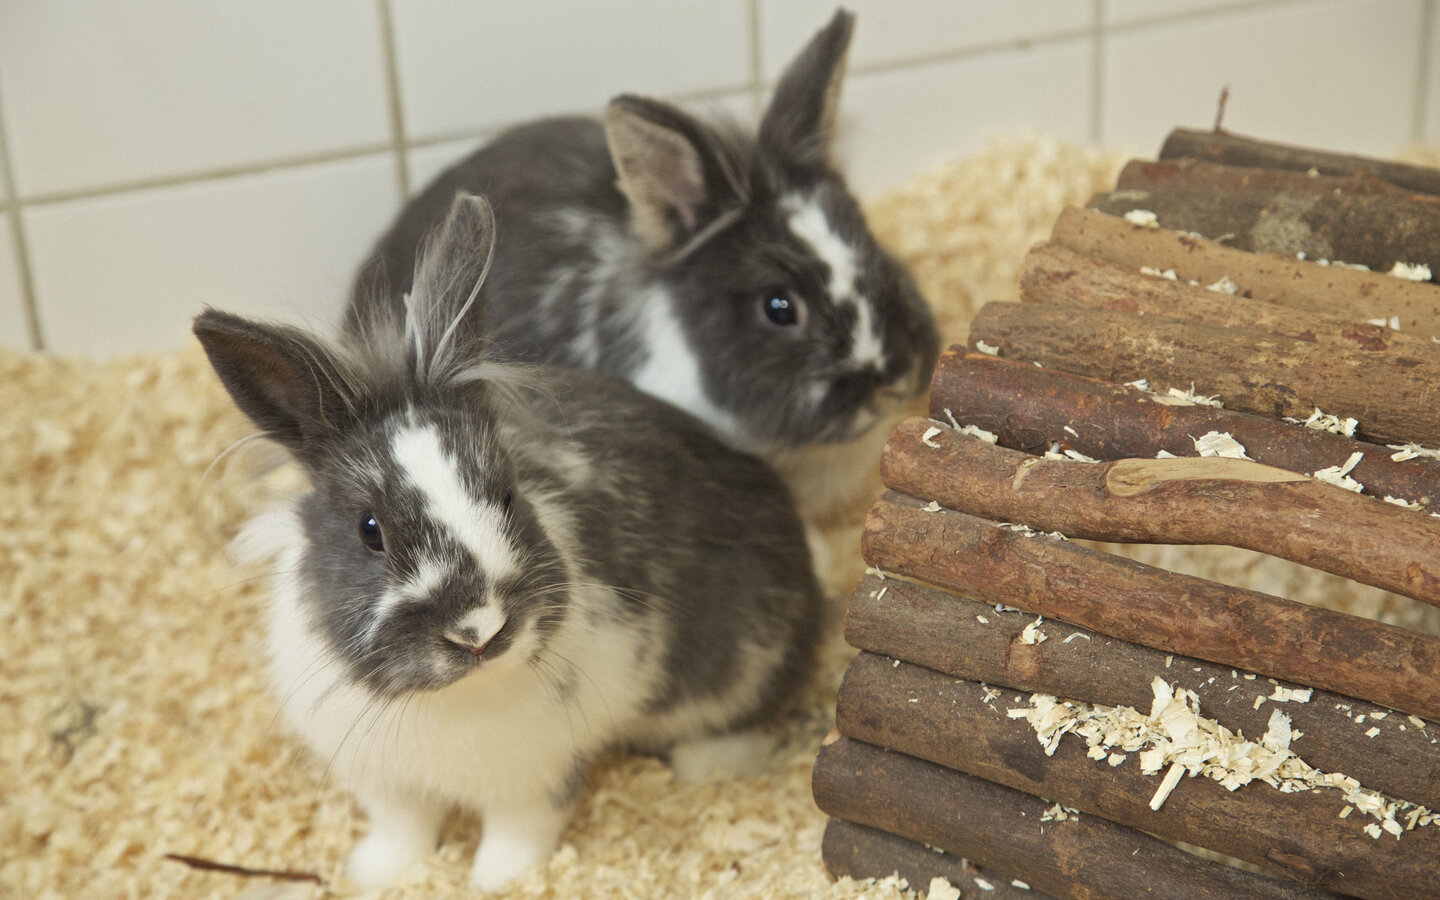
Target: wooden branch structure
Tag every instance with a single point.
(1234, 150)
(1259, 373)
(1199, 500)
(972, 640)
(1005, 828)
(1030, 408)
(1348, 294)
(1005, 670)
(862, 852)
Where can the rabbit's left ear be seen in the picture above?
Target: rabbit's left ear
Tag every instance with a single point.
(800, 121)
(675, 172)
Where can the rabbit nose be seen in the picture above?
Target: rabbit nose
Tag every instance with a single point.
(467, 639)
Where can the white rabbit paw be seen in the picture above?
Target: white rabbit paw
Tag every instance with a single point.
(514, 842)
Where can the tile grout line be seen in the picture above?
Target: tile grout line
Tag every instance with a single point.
(1425, 63)
(393, 101)
(1098, 37)
(756, 66)
(20, 246)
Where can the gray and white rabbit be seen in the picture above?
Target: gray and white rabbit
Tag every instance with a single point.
(730, 273)
(501, 571)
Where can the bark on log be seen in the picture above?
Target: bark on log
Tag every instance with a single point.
(944, 632)
(1396, 398)
(1084, 858)
(1215, 500)
(1143, 175)
(1371, 230)
(1235, 150)
(861, 852)
(961, 726)
(1349, 294)
(1146, 605)
(1029, 408)
(1051, 273)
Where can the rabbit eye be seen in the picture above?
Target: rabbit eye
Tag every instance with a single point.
(780, 309)
(370, 533)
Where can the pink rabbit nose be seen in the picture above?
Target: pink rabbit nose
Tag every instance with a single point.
(468, 639)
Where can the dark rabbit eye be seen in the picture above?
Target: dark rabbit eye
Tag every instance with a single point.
(370, 534)
(506, 498)
(781, 309)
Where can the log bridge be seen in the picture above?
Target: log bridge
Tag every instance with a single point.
(1189, 373)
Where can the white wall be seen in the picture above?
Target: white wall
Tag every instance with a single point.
(160, 155)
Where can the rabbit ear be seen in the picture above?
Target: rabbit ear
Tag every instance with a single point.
(289, 384)
(800, 122)
(679, 179)
(449, 277)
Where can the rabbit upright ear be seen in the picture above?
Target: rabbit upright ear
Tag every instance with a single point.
(800, 121)
(674, 171)
(449, 277)
(289, 384)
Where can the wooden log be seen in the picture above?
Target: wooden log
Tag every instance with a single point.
(1051, 273)
(1374, 230)
(1349, 294)
(971, 640)
(1141, 174)
(1029, 408)
(961, 725)
(1210, 500)
(1146, 605)
(1235, 150)
(1085, 858)
(1396, 398)
(860, 852)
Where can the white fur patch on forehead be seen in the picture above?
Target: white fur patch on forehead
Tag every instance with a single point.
(478, 526)
(809, 223)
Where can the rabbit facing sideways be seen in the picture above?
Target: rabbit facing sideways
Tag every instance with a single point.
(501, 571)
(729, 273)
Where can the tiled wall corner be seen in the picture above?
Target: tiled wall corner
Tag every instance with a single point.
(14, 325)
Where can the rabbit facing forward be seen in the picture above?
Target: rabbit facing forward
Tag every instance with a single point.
(729, 273)
(501, 571)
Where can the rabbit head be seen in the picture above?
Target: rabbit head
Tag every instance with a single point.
(805, 328)
(423, 560)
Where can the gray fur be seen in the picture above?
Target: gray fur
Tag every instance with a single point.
(584, 258)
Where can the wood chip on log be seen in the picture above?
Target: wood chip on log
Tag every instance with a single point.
(1083, 858)
(971, 640)
(1177, 613)
(960, 726)
(1372, 230)
(1029, 408)
(1197, 500)
(1395, 398)
(1235, 150)
(1144, 175)
(860, 852)
(1349, 294)
(1051, 273)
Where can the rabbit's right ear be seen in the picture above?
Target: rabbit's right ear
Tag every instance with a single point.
(674, 171)
(289, 384)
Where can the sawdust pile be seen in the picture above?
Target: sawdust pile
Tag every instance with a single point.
(138, 723)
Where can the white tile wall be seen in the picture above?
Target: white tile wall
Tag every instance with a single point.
(902, 121)
(476, 66)
(167, 153)
(100, 93)
(128, 271)
(1327, 73)
(13, 328)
